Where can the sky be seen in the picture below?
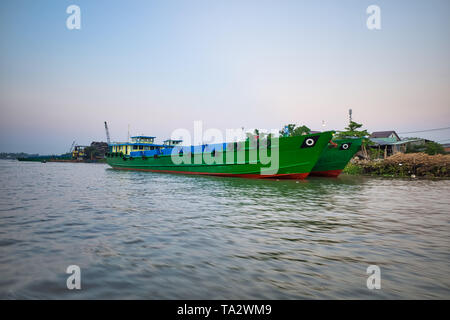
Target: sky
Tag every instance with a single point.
(157, 66)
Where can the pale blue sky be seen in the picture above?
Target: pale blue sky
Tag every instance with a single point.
(160, 65)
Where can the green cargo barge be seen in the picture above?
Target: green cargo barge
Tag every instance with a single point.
(336, 156)
(290, 157)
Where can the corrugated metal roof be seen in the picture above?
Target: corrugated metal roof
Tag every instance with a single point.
(407, 141)
(145, 137)
(392, 141)
(137, 144)
(383, 134)
(383, 141)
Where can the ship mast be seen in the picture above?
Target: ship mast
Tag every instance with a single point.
(108, 139)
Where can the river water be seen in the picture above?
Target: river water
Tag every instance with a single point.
(160, 236)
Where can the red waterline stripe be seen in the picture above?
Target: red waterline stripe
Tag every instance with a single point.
(297, 176)
(328, 173)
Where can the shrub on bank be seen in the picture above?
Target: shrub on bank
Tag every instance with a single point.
(403, 165)
(352, 168)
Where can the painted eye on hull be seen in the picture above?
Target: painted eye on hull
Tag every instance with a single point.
(309, 142)
(345, 146)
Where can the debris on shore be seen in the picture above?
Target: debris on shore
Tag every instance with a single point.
(403, 165)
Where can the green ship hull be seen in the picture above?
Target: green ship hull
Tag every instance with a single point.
(296, 157)
(335, 157)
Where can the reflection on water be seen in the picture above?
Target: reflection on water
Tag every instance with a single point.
(157, 236)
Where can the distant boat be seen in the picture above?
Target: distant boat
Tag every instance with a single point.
(55, 158)
(297, 156)
(37, 159)
(335, 157)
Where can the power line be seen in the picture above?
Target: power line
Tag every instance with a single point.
(436, 129)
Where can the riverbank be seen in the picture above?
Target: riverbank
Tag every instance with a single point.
(47, 159)
(403, 165)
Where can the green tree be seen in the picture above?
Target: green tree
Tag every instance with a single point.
(292, 130)
(90, 152)
(433, 148)
(430, 148)
(354, 129)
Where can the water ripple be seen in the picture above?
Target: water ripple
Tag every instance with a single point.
(158, 236)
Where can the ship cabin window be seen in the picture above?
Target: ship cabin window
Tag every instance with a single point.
(141, 147)
(142, 139)
(170, 143)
